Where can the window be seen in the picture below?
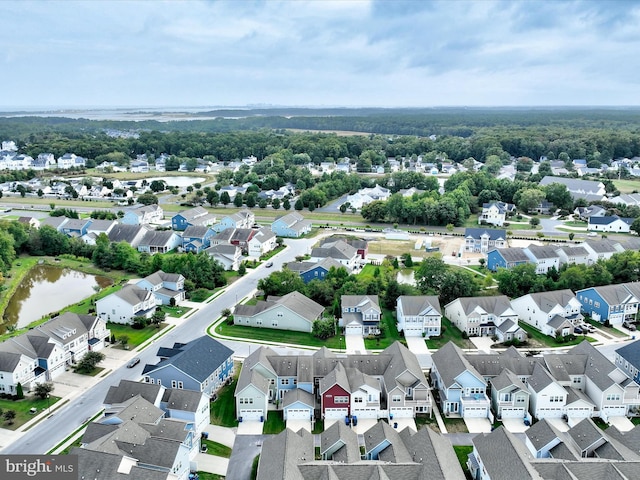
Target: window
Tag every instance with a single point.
(174, 384)
(358, 399)
(180, 385)
(274, 323)
(272, 381)
(520, 399)
(159, 381)
(596, 304)
(284, 381)
(341, 399)
(259, 322)
(396, 399)
(577, 380)
(613, 397)
(246, 401)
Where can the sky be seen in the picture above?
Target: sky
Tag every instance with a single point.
(351, 53)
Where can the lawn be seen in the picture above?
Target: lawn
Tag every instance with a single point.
(390, 332)
(279, 336)
(175, 311)
(575, 223)
(627, 186)
(136, 337)
(209, 476)
(217, 449)
(274, 424)
(455, 425)
(449, 333)
(273, 252)
(22, 407)
(610, 330)
(223, 409)
(635, 420)
(200, 295)
(462, 452)
(368, 271)
(424, 420)
(547, 341)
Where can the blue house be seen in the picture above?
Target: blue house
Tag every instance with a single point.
(506, 258)
(628, 360)
(462, 388)
(196, 238)
(615, 303)
(203, 365)
(314, 271)
(76, 227)
(241, 219)
(292, 225)
(193, 216)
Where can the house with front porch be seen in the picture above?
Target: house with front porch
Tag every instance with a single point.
(361, 314)
(481, 240)
(227, 255)
(196, 238)
(509, 396)
(553, 313)
(125, 304)
(495, 213)
(613, 303)
(462, 389)
(143, 215)
(261, 243)
(159, 241)
(479, 316)
(419, 315)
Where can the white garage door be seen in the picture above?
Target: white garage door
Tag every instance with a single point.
(401, 412)
(475, 412)
(297, 414)
(549, 413)
(250, 415)
(335, 413)
(413, 332)
(512, 413)
(615, 410)
(579, 412)
(365, 412)
(353, 330)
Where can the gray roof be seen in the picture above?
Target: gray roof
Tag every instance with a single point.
(282, 453)
(133, 294)
(127, 389)
(507, 379)
(298, 395)
(180, 399)
(54, 222)
(160, 277)
(575, 251)
(541, 252)
(540, 379)
(294, 221)
(102, 225)
(138, 410)
(157, 238)
(383, 433)
(104, 466)
(575, 395)
(199, 358)
(548, 300)
(492, 233)
(573, 184)
(541, 434)
(602, 246)
(338, 249)
(294, 301)
(65, 328)
(451, 362)
(198, 231)
(496, 304)
(585, 434)
(126, 233)
(362, 301)
(504, 457)
(340, 442)
(193, 213)
(222, 249)
(631, 353)
(8, 360)
(416, 304)
(263, 235)
(512, 254)
(492, 365)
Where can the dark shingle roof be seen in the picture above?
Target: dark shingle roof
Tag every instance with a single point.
(494, 234)
(631, 353)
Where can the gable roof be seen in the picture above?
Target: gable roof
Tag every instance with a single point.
(199, 358)
(631, 353)
(513, 254)
(497, 304)
(451, 362)
(180, 399)
(125, 233)
(294, 301)
(503, 456)
(128, 389)
(417, 304)
(492, 233)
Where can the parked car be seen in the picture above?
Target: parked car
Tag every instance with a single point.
(578, 331)
(133, 362)
(592, 234)
(268, 264)
(629, 326)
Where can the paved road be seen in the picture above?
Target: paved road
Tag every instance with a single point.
(64, 421)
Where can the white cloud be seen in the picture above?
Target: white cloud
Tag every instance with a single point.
(316, 52)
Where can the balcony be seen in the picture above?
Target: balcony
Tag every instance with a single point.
(475, 400)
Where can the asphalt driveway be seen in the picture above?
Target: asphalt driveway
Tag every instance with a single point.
(245, 449)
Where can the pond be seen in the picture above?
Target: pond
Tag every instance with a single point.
(406, 275)
(46, 289)
(178, 181)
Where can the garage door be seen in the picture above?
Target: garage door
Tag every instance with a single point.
(549, 413)
(353, 330)
(401, 412)
(512, 412)
(615, 410)
(365, 412)
(413, 332)
(335, 413)
(250, 415)
(475, 412)
(297, 414)
(579, 412)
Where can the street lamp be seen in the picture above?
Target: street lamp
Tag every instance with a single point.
(48, 404)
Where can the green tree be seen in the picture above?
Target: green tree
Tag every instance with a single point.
(457, 284)
(242, 269)
(299, 205)
(430, 274)
(635, 226)
(275, 203)
(158, 317)
(529, 199)
(213, 198)
(9, 416)
(42, 390)
(147, 199)
(19, 391)
(237, 201)
(225, 199)
(280, 283)
(324, 328)
(286, 204)
(89, 362)
(534, 222)
(558, 194)
(157, 186)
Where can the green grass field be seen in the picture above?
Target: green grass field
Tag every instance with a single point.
(279, 336)
(217, 449)
(136, 337)
(223, 410)
(547, 341)
(627, 186)
(390, 335)
(22, 409)
(449, 333)
(274, 424)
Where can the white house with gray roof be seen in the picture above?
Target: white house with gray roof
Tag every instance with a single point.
(125, 304)
(226, 254)
(579, 189)
(479, 316)
(573, 254)
(168, 288)
(159, 241)
(293, 311)
(338, 250)
(601, 249)
(419, 315)
(553, 313)
(544, 257)
(262, 242)
(361, 314)
(509, 396)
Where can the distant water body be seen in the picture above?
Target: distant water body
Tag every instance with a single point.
(165, 114)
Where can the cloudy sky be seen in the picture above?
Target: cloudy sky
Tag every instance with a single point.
(319, 53)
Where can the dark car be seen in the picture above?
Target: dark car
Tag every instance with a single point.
(578, 330)
(133, 362)
(629, 326)
(268, 264)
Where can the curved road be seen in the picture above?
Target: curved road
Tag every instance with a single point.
(55, 428)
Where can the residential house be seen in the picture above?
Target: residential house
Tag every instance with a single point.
(627, 199)
(601, 249)
(479, 316)
(576, 255)
(612, 223)
(361, 314)
(203, 365)
(75, 227)
(386, 385)
(125, 304)
(548, 397)
(262, 242)
(481, 240)
(553, 313)
(168, 288)
(338, 250)
(29, 222)
(627, 359)
(544, 257)
(364, 196)
(240, 237)
(97, 227)
(509, 396)
(196, 238)
(159, 241)
(70, 160)
(613, 303)
(294, 311)
(227, 255)
(584, 213)
(194, 216)
(292, 225)
(361, 246)
(389, 455)
(315, 271)
(495, 213)
(238, 220)
(506, 258)
(143, 215)
(462, 389)
(131, 234)
(419, 316)
(579, 189)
